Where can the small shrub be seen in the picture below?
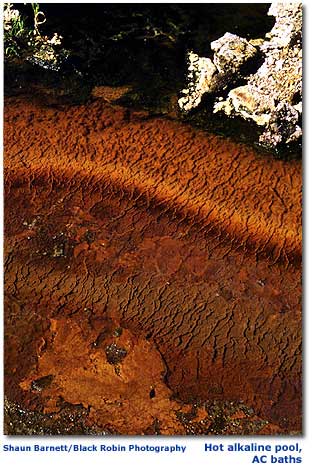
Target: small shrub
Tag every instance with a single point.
(24, 42)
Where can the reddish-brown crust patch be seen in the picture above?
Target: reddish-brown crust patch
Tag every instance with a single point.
(185, 238)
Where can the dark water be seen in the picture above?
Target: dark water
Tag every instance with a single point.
(114, 44)
(143, 44)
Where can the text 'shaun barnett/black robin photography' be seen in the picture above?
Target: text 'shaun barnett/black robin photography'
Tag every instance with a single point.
(152, 229)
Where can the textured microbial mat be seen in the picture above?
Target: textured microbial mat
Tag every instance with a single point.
(152, 276)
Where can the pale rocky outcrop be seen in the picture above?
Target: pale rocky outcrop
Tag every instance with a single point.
(272, 96)
(231, 52)
(201, 71)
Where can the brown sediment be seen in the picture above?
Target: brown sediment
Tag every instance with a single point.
(188, 243)
(109, 93)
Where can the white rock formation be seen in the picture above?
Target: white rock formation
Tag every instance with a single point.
(272, 96)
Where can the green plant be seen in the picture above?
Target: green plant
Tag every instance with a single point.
(14, 30)
(26, 42)
(39, 18)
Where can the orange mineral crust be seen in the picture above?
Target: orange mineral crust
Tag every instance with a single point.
(189, 243)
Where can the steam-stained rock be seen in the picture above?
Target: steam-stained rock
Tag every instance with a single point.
(201, 72)
(275, 89)
(272, 95)
(231, 52)
(207, 76)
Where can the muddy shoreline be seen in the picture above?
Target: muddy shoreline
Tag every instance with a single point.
(152, 275)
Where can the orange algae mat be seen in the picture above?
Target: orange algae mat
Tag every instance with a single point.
(148, 265)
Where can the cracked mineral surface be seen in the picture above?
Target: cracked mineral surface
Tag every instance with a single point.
(152, 276)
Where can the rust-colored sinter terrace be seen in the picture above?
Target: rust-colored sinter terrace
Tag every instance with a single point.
(146, 260)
